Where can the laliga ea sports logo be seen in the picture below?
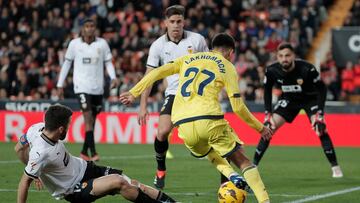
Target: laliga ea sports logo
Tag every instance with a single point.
(354, 43)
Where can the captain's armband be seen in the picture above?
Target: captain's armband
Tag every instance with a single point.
(23, 140)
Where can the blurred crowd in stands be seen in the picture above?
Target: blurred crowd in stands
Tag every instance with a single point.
(34, 35)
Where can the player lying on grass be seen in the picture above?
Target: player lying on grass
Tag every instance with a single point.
(197, 111)
(69, 177)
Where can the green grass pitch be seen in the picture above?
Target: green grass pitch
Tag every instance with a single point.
(291, 174)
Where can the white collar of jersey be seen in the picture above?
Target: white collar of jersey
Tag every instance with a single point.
(167, 38)
(48, 140)
(83, 41)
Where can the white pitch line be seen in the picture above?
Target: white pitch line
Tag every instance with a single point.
(286, 195)
(125, 157)
(209, 193)
(326, 195)
(172, 193)
(10, 162)
(102, 158)
(13, 190)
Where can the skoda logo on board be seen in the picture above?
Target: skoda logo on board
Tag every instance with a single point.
(354, 43)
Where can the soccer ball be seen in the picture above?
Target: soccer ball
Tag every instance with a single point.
(229, 193)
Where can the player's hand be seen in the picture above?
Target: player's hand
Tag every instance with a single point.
(143, 116)
(269, 121)
(318, 123)
(114, 83)
(60, 92)
(38, 184)
(266, 133)
(126, 98)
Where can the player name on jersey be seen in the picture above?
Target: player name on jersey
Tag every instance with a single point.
(219, 62)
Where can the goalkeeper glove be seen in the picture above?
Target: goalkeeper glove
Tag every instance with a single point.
(319, 123)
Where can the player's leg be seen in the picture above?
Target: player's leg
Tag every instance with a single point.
(85, 106)
(161, 146)
(284, 111)
(251, 175)
(118, 183)
(152, 192)
(213, 138)
(90, 190)
(326, 142)
(196, 138)
(161, 143)
(96, 106)
(223, 178)
(263, 144)
(89, 131)
(226, 143)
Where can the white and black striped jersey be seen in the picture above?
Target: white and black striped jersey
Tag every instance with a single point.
(58, 170)
(164, 50)
(89, 61)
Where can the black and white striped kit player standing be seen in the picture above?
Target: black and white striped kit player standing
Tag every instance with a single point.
(176, 42)
(89, 54)
(302, 88)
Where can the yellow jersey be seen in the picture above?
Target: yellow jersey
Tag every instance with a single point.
(201, 78)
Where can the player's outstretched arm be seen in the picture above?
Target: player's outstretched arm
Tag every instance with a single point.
(23, 188)
(157, 74)
(243, 112)
(22, 149)
(22, 152)
(168, 69)
(143, 113)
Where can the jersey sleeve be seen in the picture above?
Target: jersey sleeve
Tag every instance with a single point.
(268, 85)
(231, 81)
(153, 59)
(237, 104)
(37, 160)
(320, 87)
(70, 52)
(314, 75)
(30, 133)
(107, 52)
(170, 68)
(24, 139)
(202, 46)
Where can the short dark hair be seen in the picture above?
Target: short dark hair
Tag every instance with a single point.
(223, 40)
(89, 20)
(285, 45)
(175, 10)
(56, 116)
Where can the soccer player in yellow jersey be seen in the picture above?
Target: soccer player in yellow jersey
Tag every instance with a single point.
(197, 111)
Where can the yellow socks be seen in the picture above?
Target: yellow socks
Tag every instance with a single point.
(253, 179)
(220, 163)
(251, 175)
